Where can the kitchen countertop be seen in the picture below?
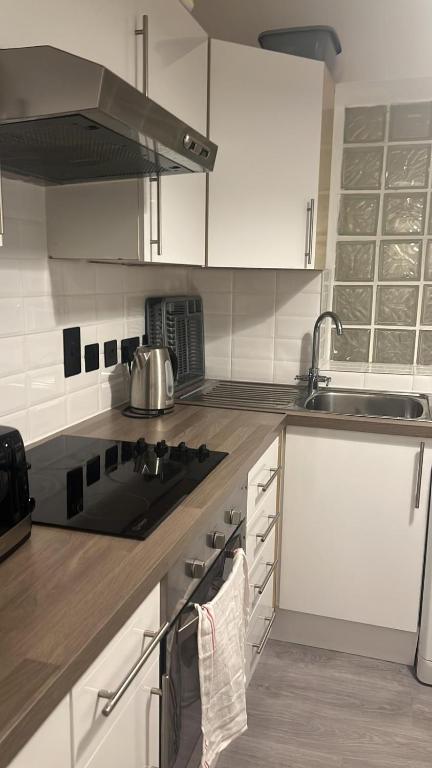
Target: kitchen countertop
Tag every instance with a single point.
(65, 594)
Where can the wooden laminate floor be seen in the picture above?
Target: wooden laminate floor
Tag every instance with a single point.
(311, 708)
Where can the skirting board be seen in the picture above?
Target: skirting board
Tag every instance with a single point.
(346, 636)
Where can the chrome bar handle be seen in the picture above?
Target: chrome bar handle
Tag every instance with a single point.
(145, 49)
(310, 212)
(261, 587)
(419, 475)
(158, 239)
(261, 645)
(115, 696)
(274, 519)
(266, 486)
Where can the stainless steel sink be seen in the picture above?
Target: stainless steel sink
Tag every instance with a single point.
(367, 403)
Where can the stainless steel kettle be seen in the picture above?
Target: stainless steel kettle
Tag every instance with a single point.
(153, 372)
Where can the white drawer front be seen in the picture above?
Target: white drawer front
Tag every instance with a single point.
(260, 570)
(260, 474)
(132, 740)
(259, 525)
(258, 628)
(109, 669)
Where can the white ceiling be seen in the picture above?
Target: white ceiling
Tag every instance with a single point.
(381, 39)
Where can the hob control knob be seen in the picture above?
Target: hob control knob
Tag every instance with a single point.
(195, 568)
(218, 540)
(161, 449)
(140, 446)
(203, 452)
(234, 516)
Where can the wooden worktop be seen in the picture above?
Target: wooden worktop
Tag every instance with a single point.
(65, 594)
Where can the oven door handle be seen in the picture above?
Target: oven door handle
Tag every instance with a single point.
(115, 696)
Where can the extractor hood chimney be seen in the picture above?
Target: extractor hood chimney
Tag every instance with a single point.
(64, 119)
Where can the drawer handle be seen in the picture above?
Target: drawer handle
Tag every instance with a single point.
(261, 645)
(265, 486)
(274, 519)
(115, 696)
(261, 587)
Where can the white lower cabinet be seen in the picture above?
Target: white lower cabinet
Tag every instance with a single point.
(132, 738)
(94, 735)
(78, 735)
(355, 513)
(50, 747)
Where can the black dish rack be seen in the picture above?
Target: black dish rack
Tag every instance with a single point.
(178, 322)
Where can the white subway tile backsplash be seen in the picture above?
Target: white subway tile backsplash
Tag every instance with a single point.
(79, 278)
(109, 307)
(11, 316)
(248, 304)
(89, 335)
(217, 325)
(43, 349)
(112, 392)
(45, 384)
(299, 305)
(135, 306)
(293, 327)
(257, 281)
(23, 200)
(79, 310)
(47, 418)
(293, 282)
(10, 279)
(218, 367)
(252, 370)
(81, 381)
(217, 303)
(36, 279)
(285, 373)
(24, 239)
(248, 325)
(13, 394)
(12, 355)
(211, 280)
(82, 404)
(110, 278)
(293, 350)
(245, 347)
(43, 313)
(218, 346)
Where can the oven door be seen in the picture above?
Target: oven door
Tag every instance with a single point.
(181, 740)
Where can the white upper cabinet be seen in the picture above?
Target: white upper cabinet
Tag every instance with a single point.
(176, 62)
(272, 116)
(139, 220)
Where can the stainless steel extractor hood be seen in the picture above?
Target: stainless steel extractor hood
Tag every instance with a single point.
(64, 119)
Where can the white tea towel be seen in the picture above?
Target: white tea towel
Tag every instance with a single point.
(222, 662)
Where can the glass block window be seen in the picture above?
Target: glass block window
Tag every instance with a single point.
(382, 279)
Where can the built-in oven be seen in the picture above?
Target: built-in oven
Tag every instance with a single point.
(181, 740)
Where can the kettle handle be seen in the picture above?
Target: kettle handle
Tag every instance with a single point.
(174, 362)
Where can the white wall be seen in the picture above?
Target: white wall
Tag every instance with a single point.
(381, 39)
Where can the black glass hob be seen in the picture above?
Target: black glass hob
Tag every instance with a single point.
(117, 488)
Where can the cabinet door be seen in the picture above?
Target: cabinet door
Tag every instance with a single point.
(352, 537)
(266, 116)
(133, 738)
(176, 61)
(50, 746)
